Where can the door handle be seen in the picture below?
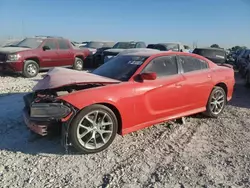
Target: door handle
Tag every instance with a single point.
(178, 85)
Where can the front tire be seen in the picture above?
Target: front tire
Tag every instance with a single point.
(30, 69)
(216, 102)
(78, 64)
(93, 129)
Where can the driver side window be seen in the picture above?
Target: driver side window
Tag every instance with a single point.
(163, 66)
(51, 44)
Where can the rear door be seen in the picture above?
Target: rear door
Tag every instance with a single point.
(163, 97)
(49, 58)
(198, 80)
(66, 56)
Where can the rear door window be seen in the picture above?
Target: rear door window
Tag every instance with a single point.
(63, 45)
(190, 64)
(140, 45)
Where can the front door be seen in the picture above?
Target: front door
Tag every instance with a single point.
(163, 97)
(66, 56)
(49, 57)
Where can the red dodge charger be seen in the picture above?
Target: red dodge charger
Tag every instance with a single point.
(131, 91)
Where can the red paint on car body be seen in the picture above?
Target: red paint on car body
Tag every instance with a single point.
(141, 104)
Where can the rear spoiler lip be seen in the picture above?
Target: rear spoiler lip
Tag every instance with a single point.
(226, 65)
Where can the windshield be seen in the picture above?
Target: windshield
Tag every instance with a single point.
(28, 43)
(124, 45)
(94, 45)
(173, 47)
(120, 67)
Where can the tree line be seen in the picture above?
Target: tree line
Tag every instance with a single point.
(235, 48)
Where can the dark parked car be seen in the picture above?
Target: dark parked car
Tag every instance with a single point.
(96, 49)
(119, 47)
(173, 46)
(217, 55)
(238, 58)
(243, 63)
(247, 72)
(151, 46)
(41, 52)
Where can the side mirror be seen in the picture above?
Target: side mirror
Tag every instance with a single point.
(46, 48)
(148, 76)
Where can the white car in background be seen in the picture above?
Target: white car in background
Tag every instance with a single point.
(171, 46)
(120, 47)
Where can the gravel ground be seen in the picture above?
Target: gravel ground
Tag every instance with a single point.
(202, 153)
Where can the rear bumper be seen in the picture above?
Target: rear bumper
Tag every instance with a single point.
(11, 67)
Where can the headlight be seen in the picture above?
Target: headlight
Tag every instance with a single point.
(13, 57)
(49, 110)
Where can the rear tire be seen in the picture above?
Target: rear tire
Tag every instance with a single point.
(93, 129)
(78, 64)
(30, 69)
(216, 102)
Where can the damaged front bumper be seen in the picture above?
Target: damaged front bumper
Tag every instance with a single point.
(43, 118)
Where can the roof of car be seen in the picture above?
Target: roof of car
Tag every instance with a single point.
(101, 41)
(132, 41)
(209, 48)
(166, 43)
(141, 52)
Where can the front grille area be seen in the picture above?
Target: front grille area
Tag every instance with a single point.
(3, 57)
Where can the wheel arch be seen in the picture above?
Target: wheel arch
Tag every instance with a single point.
(117, 114)
(80, 56)
(223, 86)
(114, 109)
(36, 59)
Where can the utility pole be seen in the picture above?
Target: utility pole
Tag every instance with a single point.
(23, 33)
(195, 44)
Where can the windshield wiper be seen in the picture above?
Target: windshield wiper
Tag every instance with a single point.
(24, 46)
(12, 45)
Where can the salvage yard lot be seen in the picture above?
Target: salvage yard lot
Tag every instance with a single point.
(202, 153)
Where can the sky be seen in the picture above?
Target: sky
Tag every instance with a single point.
(224, 22)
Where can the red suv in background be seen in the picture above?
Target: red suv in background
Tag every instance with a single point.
(33, 54)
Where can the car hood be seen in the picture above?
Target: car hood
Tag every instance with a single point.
(114, 50)
(12, 49)
(59, 77)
